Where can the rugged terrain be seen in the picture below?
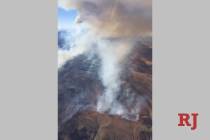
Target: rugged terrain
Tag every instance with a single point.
(78, 89)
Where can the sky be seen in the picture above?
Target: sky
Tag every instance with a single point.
(66, 18)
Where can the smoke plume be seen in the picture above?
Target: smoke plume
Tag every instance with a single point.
(111, 59)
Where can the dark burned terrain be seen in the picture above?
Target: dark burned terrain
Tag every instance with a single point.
(78, 89)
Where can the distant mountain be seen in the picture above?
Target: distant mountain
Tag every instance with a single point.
(65, 39)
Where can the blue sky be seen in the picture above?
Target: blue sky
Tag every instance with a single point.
(66, 18)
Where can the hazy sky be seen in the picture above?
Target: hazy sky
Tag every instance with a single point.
(66, 18)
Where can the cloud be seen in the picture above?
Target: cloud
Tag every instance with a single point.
(65, 4)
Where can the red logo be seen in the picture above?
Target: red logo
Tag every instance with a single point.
(184, 120)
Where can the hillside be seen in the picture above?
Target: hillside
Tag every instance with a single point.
(79, 87)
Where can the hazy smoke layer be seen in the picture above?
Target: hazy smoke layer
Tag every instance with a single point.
(108, 20)
(114, 17)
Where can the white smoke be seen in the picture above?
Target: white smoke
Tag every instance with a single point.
(110, 75)
(64, 55)
(83, 40)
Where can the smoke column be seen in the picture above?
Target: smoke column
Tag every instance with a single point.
(110, 75)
